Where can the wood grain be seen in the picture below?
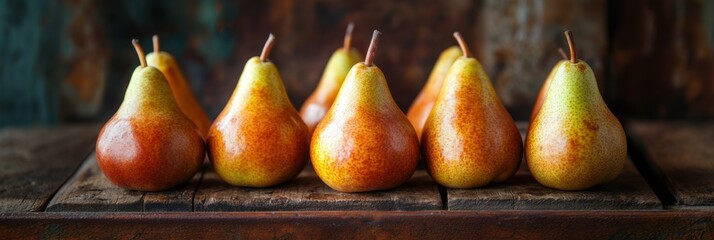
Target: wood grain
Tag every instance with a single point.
(89, 190)
(35, 162)
(683, 152)
(364, 225)
(308, 192)
(522, 192)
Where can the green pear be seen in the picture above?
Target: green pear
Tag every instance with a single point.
(574, 142)
(365, 142)
(258, 140)
(313, 110)
(149, 144)
(469, 138)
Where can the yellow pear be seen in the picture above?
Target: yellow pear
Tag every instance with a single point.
(421, 107)
(469, 139)
(258, 140)
(316, 106)
(179, 86)
(574, 142)
(365, 142)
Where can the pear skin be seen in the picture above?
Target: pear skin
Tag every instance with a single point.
(574, 142)
(149, 144)
(258, 140)
(424, 102)
(179, 86)
(546, 85)
(469, 139)
(365, 142)
(313, 110)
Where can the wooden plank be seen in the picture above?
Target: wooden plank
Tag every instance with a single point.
(522, 191)
(682, 152)
(308, 192)
(364, 225)
(90, 190)
(35, 162)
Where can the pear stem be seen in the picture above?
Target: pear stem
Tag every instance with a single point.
(372, 50)
(347, 43)
(462, 44)
(571, 45)
(155, 39)
(266, 49)
(562, 54)
(139, 51)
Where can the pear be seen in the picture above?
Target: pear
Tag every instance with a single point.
(546, 85)
(149, 144)
(574, 142)
(365, 142)
(421, 107)
(179, 86)
(469, 138)
(316, 106)
(258, 140)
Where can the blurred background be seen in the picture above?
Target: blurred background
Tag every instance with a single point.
(70, 60)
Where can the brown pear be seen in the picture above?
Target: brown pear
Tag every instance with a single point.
(365, 142)
(421, 107)
(149, 144)
(469, 139)
(179, 86)
(258, 140)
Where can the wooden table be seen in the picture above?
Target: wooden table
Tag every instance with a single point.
(51, 187)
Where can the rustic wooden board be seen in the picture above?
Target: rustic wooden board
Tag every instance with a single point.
(308, 192)
(523, 192)
(684, 153)
(89, 190)
(35, 162)
(363, 225)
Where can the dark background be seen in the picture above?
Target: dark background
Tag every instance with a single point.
(69, 61)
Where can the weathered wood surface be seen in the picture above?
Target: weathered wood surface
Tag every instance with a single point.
(364, 225)
(90, 190)
(523, 192)
(683, 152)
(35, 162)
(308, 192)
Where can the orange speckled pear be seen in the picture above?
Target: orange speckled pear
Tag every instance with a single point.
(546, 85)
(316, 106)
(469, 139)
(179, 86)
(258, 140)
(149, 144)
(574, 142)
(365, 142)
(422, 105)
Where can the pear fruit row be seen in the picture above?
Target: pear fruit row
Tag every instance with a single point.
(353, 132)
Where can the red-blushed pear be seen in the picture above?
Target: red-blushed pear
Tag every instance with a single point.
(469, 139)
(365, 142)
(316, 106)
(574, 142)
(179, 86)
(149, 144)
(258, 140)
(422, 105)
